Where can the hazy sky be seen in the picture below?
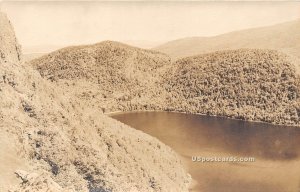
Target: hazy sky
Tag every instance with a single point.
(40, 24)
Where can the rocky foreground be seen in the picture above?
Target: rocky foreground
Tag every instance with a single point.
(54, 141)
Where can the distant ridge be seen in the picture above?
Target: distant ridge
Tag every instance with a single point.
(284, 37)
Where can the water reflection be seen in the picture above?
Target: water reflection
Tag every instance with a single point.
(276, 149)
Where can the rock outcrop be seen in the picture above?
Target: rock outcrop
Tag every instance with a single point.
(63, 143)
(36, 182)
(10, 50)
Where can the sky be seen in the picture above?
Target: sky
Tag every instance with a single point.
(44, 25)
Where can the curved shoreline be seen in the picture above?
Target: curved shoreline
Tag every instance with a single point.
(211, 136)
(109, 114)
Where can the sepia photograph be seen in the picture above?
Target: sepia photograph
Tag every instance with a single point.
(149, 96)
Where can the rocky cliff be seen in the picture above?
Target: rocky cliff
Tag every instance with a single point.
(9, 48)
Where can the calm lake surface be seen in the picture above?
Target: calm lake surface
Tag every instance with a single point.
(276, 150)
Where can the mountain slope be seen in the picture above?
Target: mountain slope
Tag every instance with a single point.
(53, 141)
(284, 37)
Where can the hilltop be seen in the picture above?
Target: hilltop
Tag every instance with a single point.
(248, 84)
(53, 141)
(284, 37)
(122, 77)
(108, 57)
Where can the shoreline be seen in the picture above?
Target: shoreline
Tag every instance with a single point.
(110, 114)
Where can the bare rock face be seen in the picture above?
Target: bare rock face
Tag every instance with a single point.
(36, 183)
(9, 48)
(64, 143)
(249, 84)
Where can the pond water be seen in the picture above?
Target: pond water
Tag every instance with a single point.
(276, 150)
